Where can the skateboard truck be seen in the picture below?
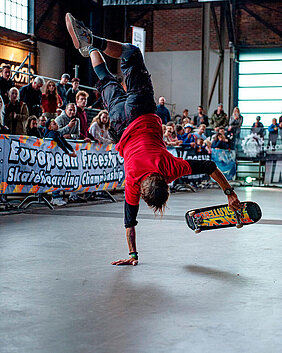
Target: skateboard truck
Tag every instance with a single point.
(198, 220)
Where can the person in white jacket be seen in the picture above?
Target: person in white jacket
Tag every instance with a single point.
(99, 127)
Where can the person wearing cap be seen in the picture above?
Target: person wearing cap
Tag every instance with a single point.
(258, 127)
(61, 89)
(190, 140)
(72, 91)
(219, 118)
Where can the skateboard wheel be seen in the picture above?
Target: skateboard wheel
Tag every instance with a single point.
(191, 213)
(240, 225)
(198, 231)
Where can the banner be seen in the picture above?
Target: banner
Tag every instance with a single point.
(225, 160)
(273, 169)
(143, 2)
(33, 165)
(139, 38)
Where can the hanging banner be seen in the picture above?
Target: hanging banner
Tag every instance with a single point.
(33, 165)
(143, 2)
(139, 38)
(225, 161)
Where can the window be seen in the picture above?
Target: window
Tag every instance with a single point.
(260, 85)
(14, 15)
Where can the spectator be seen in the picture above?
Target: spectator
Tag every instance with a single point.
(69, 125)
(169, 139)
(32, 96)
(172, 124)
(16, 113)
(220, 142)
(273, 134)
(42, 124)
(201, 132)
(178, 119)
(201, 147)
(258, 127)
(31, 127)
(99, 127)
(219, 118)
(6, 83)
(280, 126)
(185, 115)
(81, 102)
(72, 91)
(162, 111)
(51, 131)
(186, 121)
(164, 130)
(180, 132)
(235, 123)
(51, 101)
(61, 89)
(3, 129)
(190, 140)
(200, 118)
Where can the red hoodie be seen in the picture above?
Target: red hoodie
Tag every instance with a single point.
(144, 153)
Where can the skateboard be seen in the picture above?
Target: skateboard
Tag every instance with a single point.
(216, 217)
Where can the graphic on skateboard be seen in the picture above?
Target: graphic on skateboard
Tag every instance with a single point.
(216, 217)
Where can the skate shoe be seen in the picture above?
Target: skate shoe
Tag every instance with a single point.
(80, 34)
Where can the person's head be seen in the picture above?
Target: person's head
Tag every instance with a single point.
(64, 79)
(200, 141)
(202, 129)
(14, 95)
(221, 130)
(155, 192)
(200, 109)
(102, 119)
(42, 120)
(38, 83)
(162, 100)
(220, 107)
(172, 124)
(185, 113)
(236, 112)
(188, 128)
(258, 118)
(52, 125)
(31, 122)
(50, 88)
(70, 110)
(179, 129)
(220, 137)
(274, 121)
(6, 71)
(81, 99)
(169, 130)
(75, 83)
(185, 121)
(164, 128)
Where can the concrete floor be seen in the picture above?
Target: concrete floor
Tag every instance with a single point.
(219, 291)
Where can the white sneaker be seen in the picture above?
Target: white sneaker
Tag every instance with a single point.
(80, 34)
(58, 202)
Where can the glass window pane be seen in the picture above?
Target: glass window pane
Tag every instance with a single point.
(266, 119)
(258, 107)
(260, 93)
(260, 67)
(260, 80)
(262, 55)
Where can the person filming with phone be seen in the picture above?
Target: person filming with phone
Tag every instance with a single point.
(69, 125)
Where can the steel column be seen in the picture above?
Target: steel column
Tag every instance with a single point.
(205, 55)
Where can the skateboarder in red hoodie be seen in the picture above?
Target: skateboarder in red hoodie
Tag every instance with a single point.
(137, 131)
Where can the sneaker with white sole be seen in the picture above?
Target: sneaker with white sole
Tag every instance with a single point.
(81, 36)
(58, 202)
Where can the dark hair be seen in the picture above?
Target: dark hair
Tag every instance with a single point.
(178, 128)
(200, 106)
(155, 192)
(75, 79)
(170, 123)
(6, 66)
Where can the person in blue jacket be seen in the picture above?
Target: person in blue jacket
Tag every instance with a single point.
(273, 134)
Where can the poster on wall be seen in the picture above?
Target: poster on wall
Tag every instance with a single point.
(139, 38)
(33, 165)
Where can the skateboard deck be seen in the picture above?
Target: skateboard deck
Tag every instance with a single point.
(216, 217)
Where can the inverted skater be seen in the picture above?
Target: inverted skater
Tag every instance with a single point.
(137, 131)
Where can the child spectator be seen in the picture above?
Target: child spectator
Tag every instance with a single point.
(16, 113)
(273, 134)
(190, 139)
(200, 146)
(169, 139)
(181, 135)
(99, 127)
(51, 101)
(31, 127)
(71, 93)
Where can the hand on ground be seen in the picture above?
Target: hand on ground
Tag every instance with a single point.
(130, 261)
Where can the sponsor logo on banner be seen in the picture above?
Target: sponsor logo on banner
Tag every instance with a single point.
(31, 165)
